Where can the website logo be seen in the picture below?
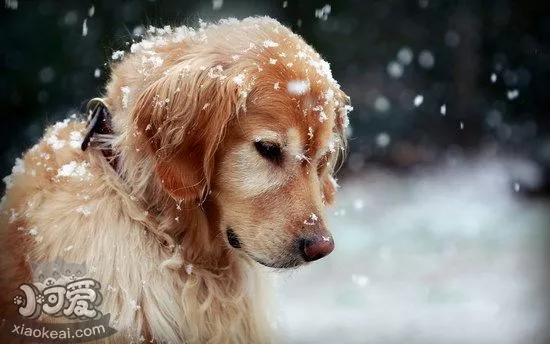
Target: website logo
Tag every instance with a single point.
(64, 291)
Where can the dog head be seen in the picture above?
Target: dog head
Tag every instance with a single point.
(246, 115)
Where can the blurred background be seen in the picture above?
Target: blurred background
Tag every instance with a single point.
(443, 215)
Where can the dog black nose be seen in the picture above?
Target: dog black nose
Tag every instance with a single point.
(315, 247)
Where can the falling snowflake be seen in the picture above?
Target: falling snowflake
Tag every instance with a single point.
(383, 140)
(395, 70)
(405, 56)
(382, 104)
(513, 94)
(323, 12)
(426, 59)
(418, 100)
(85, 27)
(217, 4)
(360, 280)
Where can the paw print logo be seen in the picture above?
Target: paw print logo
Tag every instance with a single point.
(18, 300)
(40, 299)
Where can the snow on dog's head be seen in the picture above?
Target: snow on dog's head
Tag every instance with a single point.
(242, 115)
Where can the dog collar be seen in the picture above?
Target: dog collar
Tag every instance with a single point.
(99, 122)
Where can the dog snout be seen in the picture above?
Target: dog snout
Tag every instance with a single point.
(316, 246)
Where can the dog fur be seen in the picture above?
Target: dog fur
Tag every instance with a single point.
(187, 108)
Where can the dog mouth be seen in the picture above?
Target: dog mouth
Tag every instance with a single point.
(287, 263)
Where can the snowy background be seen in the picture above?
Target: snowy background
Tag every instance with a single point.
(442, 219)
(449, 254)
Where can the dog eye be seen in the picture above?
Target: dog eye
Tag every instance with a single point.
(270, 151)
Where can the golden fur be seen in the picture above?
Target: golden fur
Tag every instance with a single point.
(187, 107)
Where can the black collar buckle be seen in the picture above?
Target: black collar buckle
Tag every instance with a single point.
(99, 121)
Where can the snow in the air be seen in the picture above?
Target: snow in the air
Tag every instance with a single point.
(85, 27)
(395, 70)
(46, 75)
(91, 11)
(382, 104)
(323, 12)
(405, 56)
(450, 254)
(443, 109)
(298, 87)
(512, 94)
(97, 73)
(217, 4)
(452, 38)
(418, 100)
(426, 59)
(360, 280)
(383, 140)
(33, 231)
(493, 78)
(11, 4)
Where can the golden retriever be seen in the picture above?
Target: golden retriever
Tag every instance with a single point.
(219, 159)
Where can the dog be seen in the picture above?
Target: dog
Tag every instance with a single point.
(216, 158)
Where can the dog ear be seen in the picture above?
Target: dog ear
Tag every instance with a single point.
(329, 189)
(183, 117)
(328, 182)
